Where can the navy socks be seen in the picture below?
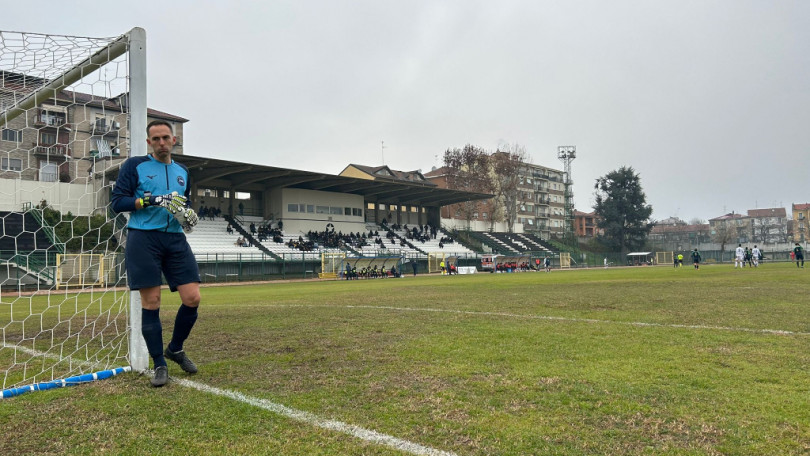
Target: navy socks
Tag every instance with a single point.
(186, 317)
(153, 335)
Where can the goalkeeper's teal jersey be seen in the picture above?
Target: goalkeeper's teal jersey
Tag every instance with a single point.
(140, 175)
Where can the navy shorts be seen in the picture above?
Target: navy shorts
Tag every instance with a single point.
(149, 253)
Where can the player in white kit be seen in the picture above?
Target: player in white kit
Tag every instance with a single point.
(740, 256)
(755, 256)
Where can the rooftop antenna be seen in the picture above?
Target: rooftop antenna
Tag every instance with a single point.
(382, 151)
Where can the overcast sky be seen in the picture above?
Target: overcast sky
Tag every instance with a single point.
(708, 100)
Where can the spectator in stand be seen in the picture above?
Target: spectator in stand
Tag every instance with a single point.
(252, 228)
(229, 229)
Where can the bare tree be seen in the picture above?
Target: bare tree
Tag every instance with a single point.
(507, 165)
(468, 169)
(723, 234)
(697, 221)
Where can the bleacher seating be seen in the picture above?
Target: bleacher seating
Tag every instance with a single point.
(514, 243)
(211, 239)
(432, 245)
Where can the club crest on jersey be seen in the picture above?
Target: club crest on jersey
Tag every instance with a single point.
(181, 181)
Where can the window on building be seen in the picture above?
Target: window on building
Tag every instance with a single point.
(347, 211)
(12, 135)
(484, 215)
(242, 195)
(292, 207)
(47, 138)
(11, 164)
(356, 211)
(310, 208)
(321, 209)
(336, 210)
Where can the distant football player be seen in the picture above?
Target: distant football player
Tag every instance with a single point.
(798, 254)
(696, 258)
(739, 256)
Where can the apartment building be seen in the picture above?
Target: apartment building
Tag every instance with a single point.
(801, 217)
(68, 136)
(757, 226)
(540, 203)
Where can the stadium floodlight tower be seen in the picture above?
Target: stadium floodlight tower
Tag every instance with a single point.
(567, 154)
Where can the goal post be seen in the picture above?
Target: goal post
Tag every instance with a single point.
(331, 264)
(565, 259)
(434, 262)
(664, 257)
(72, 109)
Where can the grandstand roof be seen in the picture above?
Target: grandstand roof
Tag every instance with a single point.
(211, 172)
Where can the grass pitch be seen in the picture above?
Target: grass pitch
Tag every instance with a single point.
(616, 361)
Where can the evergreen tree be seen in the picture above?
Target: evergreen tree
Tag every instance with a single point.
(623, 213)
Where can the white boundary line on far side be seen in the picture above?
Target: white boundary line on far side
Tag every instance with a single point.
(778, 332)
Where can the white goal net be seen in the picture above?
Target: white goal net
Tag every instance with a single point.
(71, 110)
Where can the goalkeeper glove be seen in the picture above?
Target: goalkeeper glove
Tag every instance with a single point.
(172, 199)
(186, 217)
(191, 218)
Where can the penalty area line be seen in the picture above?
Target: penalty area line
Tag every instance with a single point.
(315, 420)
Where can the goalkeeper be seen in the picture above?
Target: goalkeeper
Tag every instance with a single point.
(155, 190)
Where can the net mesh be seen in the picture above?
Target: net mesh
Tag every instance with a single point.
(62, 298)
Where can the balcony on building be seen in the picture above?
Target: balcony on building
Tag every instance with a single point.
(105, 127)
(52, 150)
(52, 117)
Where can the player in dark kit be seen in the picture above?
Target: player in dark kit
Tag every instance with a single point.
(696, 258)
(155, 189)
(798, 253)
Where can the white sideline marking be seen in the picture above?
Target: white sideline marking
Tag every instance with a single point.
(297, 415)
(778, 332)
(315, 420)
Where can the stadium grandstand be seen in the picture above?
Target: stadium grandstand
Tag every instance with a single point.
(252, 214)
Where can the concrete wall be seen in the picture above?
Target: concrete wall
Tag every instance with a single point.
(79, 199)
(499, 227)
(295, 222)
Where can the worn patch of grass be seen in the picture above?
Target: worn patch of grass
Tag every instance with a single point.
(529, 363)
